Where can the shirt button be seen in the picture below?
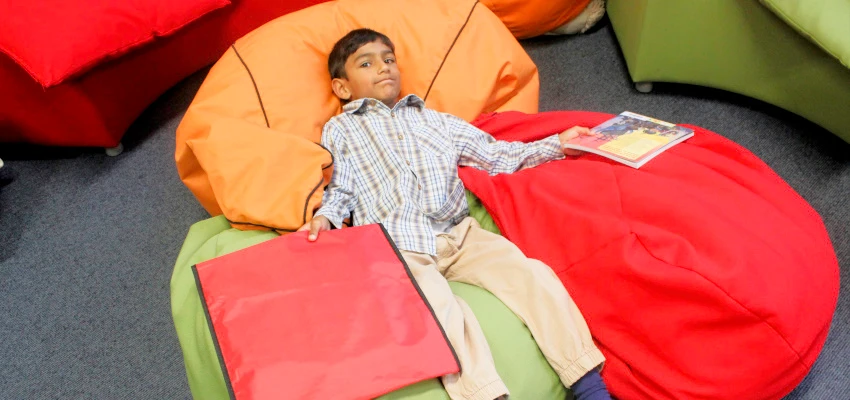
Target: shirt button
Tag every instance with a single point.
(408, 162)
(400, 137)
(420, 187)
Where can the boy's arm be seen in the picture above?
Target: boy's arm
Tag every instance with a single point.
(478, 149)
(337, 202)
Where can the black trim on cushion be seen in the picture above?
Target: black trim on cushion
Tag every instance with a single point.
(419, 290)
(449, 51)
(211, 327)
(256, 89)
(410, 276)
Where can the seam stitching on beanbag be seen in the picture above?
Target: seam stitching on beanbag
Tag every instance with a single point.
(266, 118)
(259, 225)
(608, 243)
(720, 288)
(309, 196)
(778, 179)
(440, 68)
(254, 82)
(331, 154)
(648, 251)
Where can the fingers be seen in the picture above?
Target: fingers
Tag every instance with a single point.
(574, 132)
(571, 134)
(573, 152)
(315, 227)
(577, 131)
(318, 224)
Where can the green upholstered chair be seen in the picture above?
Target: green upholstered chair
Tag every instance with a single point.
(790, 53)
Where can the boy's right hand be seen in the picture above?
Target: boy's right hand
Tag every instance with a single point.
(571, 134)
(316, 225)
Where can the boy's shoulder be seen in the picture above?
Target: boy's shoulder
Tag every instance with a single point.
(336, 121)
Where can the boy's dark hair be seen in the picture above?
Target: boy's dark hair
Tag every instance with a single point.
(348, 45)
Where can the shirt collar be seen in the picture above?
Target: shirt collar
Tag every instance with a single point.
(361, 105)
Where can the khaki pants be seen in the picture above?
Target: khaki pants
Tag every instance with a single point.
(528, 287)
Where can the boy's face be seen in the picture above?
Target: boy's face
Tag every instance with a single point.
(372, 72)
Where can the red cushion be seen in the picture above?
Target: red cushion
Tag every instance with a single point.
(291, 325)
(701, 275)
(56, 39)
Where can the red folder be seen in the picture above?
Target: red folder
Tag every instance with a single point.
(338, 318)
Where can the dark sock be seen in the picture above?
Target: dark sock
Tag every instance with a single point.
(591, 387)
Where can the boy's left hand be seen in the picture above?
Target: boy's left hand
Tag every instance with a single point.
(570, 134)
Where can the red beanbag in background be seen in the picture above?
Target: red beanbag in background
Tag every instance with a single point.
(54, 40)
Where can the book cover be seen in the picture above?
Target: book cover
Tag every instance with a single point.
(631, 139)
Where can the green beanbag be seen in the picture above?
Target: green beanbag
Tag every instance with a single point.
(518, 359)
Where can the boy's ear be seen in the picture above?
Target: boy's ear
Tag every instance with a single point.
(340, 88)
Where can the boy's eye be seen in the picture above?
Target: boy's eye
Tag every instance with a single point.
(389, 60)
(365, 64)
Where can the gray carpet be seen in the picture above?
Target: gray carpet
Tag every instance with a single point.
(88, 242)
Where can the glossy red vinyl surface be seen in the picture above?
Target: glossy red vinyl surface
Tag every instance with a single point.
(336, 318)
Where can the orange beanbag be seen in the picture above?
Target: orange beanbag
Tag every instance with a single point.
(247, 145)
(529, 18)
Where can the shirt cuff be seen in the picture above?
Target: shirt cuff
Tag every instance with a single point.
(334, 218)
(551, 148)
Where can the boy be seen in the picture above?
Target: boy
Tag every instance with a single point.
(396, 163)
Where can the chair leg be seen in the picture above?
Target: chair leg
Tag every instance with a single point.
(643, 87)
(114, 151)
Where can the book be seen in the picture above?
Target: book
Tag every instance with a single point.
(631, 139)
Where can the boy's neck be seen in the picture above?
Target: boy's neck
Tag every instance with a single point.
(390, 104)
(394, 102)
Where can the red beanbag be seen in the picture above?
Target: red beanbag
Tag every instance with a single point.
(702, 275)
(54, 40)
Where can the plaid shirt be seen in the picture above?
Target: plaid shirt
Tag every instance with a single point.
(399, 167)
